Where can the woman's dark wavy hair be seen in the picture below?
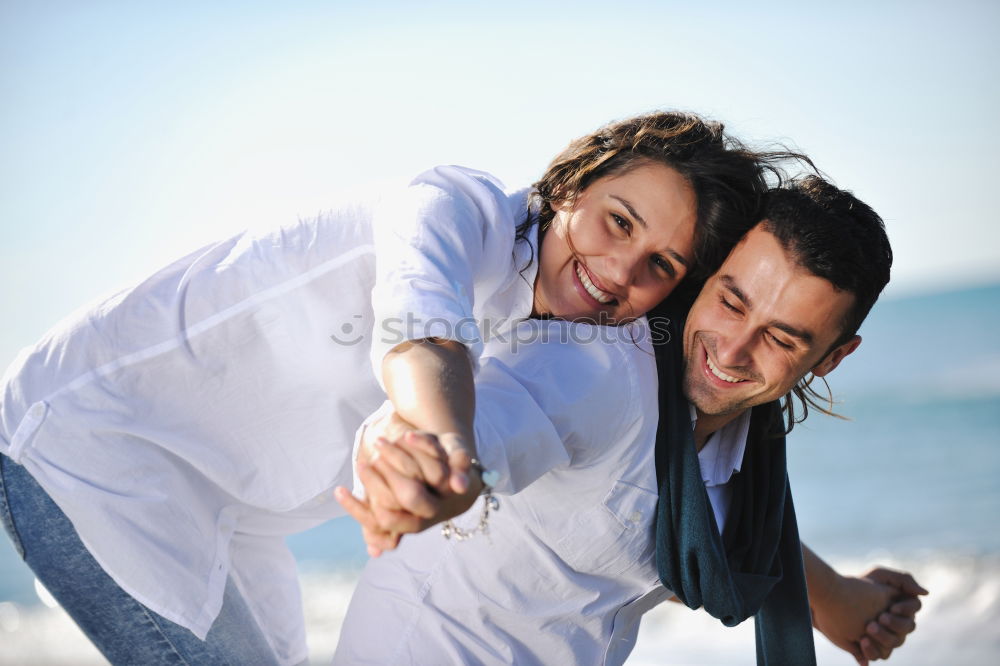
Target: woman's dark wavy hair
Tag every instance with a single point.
(729, 179)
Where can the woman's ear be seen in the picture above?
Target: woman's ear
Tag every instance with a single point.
(561, 201)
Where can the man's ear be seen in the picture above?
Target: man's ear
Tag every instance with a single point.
(836, 355)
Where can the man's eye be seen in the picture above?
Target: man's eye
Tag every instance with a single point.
(726, 304)
(783, 345)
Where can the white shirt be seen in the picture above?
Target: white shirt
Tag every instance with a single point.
(719, 459)
(568, 567)
(188, 424)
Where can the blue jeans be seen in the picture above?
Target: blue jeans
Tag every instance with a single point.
(124, 630)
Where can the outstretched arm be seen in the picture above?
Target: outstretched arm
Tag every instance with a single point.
(436, 241)
(430, 384)
(867, 616)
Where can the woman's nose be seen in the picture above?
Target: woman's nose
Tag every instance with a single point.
(622, 269)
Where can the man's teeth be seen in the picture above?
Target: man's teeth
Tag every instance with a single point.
(719, 373)
(598, 295)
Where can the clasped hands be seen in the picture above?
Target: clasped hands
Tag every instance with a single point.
(412, 480)
(870, 615)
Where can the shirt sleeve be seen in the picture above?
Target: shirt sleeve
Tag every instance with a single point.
(561, 396)
(449, 232)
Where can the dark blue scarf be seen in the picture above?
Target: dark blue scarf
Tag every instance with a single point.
(755, 567)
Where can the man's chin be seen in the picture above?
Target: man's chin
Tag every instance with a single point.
(708, 403)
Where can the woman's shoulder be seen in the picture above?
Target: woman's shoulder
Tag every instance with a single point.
(483, 187)
(455, 176)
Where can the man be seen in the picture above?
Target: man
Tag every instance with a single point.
(782, 310)
(786, 303)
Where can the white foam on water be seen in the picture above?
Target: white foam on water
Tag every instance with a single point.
(957, 624)
(45, 636)
(325, 597)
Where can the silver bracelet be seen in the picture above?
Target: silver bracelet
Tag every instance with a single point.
(490, 503)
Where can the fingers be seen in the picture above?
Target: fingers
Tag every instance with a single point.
(855, 650)
(418, 454)
(389, 514)
(415, 462)
(379, 492)
(879, 642)
(886, 635)
(355, 508)
(908, 585)
(429, 456)
(882, 637)
(363, 513)
(399, 522)
(379, 542)
(906, 607)
(459, 461)
(872, 650)
(375, 538)
(423, 443)
(900, 580)
(897, 625)
(409, 494)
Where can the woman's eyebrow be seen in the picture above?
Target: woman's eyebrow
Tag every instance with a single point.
(638, 218)
(631, 211)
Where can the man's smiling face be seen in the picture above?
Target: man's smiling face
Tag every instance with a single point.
(760, 324)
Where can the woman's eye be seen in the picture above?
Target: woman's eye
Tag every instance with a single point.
(621, 222)
(665, 266)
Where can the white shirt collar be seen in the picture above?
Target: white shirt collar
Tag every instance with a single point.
(722, 455)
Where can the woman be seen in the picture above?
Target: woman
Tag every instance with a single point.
(184, 427)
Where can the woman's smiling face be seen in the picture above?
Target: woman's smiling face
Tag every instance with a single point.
(619, 248)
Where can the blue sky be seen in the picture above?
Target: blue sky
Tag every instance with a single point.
(131, 132)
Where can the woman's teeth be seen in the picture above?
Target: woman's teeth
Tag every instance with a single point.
(719, 373)
(599, 296)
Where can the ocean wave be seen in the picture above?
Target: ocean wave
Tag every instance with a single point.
(956, 625)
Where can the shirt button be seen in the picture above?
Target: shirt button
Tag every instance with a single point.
(635, 517)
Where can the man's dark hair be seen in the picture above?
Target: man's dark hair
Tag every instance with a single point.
(835, 236)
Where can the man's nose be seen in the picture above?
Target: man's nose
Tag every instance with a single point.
(734, 349)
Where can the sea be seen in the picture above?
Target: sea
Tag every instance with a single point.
(910, 479)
